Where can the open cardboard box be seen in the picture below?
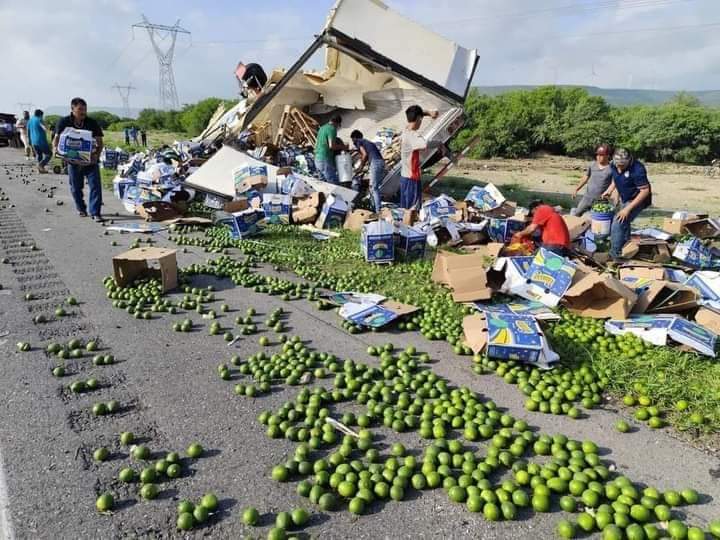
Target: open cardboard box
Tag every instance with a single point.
(577, 225)
(146, 262)
(599, 296)
(656, 329)
(357, 218)
(647, 249)
(708, 319)
(546, 280)
(375, 315)
(677, 226)
(158, 211)
(703, 228)
(465, 275)
(509, 337)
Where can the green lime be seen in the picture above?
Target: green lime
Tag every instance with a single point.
(568, 503)
(475, 503)
(126, 475)
(714, 528)
(672, 498)
(148, 476)
(540, 503)
(173, 471)
(104, 502)
(300, 517)
(677, 530)
(690, 496)
(209, 501)
(200, 513)
(622, 426)
(276, 533)
(491, 512)
(328, 502)
(250, 516)
(126, 438)
(586, 522)
(185, 521)
(695, 533)
(356, 506)
(280, 473)
(612, 532)
(185, 506)
(565, 529)
(149, 491)
(101, 454)
(195, 450)
(283, 520)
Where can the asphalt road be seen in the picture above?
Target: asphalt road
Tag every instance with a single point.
(170, 395)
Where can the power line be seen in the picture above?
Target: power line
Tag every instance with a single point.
(570, 9)
(124, 92)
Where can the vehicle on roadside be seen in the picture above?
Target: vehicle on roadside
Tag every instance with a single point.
(8, 132)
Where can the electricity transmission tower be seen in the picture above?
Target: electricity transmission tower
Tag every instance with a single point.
(159, 33)
(124, 92)
(25, 106)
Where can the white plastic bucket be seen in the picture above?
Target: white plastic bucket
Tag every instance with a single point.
(600, 223)
(343, 163)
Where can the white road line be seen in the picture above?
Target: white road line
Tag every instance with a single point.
(6, 528)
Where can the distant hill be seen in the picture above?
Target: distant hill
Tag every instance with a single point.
(620, 96)
(113, 110)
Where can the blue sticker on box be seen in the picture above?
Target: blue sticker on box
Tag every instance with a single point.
(702, 282)
(693, 253)
(502, 230)
(547, 279)
(485, 198)
(374, 316)
(410, 243)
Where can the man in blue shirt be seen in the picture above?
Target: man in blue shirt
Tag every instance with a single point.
(370, 153)
(38, 139)
(629, 179)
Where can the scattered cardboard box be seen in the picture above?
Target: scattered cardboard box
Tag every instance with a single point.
(157, 211)
(146, 262)
(708, 319)
(377, 242)
(693, 253)
(707, 283)
(248, 177)
(333, 213)
(676, 225)
(577, 225)
(465, 275)
(546, 280)
(485, 198)
(410, 243)
(243, 224)
(504, 211)
(660, 296)
(238, 205)
(276, 208)
(502, 230)
(375, 315)
(656, 329)
(357, 218)
(509, 337)
(524, 307)
(599, 296)
(646, 249)
(704, 228)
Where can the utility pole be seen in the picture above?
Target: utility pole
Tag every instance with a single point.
(159, 33)
(124, 92)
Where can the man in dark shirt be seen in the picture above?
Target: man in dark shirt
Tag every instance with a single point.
(369, 153)
(77, 173)
(629, 179)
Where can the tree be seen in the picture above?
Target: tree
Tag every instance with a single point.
(104, 118)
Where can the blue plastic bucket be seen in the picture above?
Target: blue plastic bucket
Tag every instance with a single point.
(600, 223)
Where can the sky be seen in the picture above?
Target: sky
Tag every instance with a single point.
(52, 54)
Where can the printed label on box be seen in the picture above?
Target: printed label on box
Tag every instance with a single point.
(485, 198)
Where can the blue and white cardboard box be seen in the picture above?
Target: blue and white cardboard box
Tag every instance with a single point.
(502, 230)
(75, 145)
(509, 337)
(658, 328)
(375, 315)
(277, 208)
(526, 307)
(250, 176)
(439, 207)
(707, 283)
(693, 253)
(120, 184)
(485, 198)
(243, 224)
(409, 242)
(546, 280)
(216, 202)
(135, 195)
(377, 242)
(507, 271)
(333, 213)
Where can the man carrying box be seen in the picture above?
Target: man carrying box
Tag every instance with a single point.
(78, 172)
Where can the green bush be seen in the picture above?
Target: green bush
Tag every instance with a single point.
(568, 121)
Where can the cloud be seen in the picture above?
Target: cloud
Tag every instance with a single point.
(84, 48)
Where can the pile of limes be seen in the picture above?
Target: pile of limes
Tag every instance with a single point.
(190, 515)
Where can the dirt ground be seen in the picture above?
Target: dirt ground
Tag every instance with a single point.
(675, 187)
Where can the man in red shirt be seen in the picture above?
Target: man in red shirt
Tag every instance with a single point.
(555, 234)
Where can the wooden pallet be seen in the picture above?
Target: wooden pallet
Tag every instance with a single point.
(296, 127)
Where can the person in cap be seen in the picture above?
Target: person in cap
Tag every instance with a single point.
(630, 181)
(411, 145)
(555, 235)
(325, 147)
(597, 177)
(369, 153)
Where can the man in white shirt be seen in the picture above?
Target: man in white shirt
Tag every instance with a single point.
(411, 144)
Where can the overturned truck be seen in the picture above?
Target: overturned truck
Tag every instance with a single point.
(376, 64)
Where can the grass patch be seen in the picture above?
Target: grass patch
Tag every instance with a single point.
(156, 139)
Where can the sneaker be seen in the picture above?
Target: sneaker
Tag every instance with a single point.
(82, 214)
(98, 219)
